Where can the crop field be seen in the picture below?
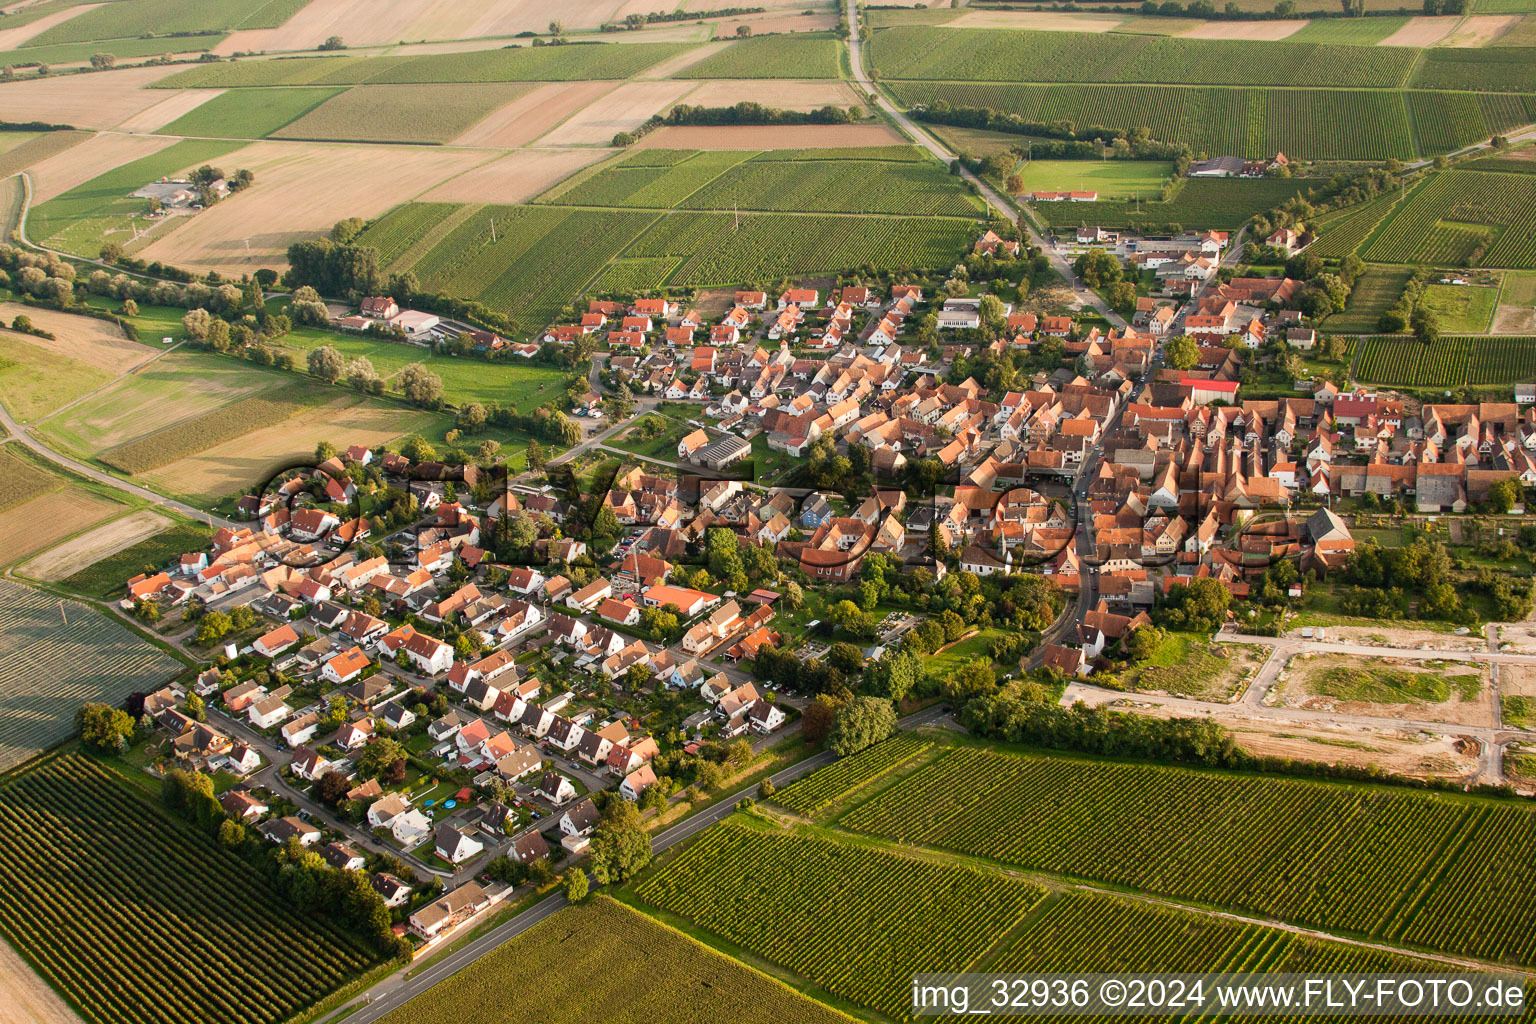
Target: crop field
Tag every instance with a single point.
(82, 217)
(36, 149)
(1314, 124)
(1515, 161)
(1376, 290)
(36, 525)
(777, 56)
(857, 921)
(1450, 362)
(168, 17)
(1463, 218)
(640, 274)
(34, 380)
(248, 113)
(56, 655)
(21, 477)
(212, 428)
(1462, 309)
(517, 64)
(1372, 860)
(822, 788)
(105, 577)
(1354, 31)
(989, 55)
(1481, 69)
(1096, 932)
(1111, 179)
(593, 945)
(1198, 203)
(122, 49)
(138, 916)
(401, 113)
(1344, 231)
(651, 179)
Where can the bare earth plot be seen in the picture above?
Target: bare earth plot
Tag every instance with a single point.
(1481, 29)
(81, 338)
(1387, 688)
(301, 190)
(25, 998)
(1422, 31)
(1383, 635)
(684, 61)
(1042, 21)
(39, 524)
(167, 110)
(1517, 302)
(762, 24)
(98, 100)
(518, 176)
(1263, 31)
(245, 461)
(11, 38)
(48, 669)
(783, 94)
(92, 546)
(531, 115)
(375, 22)
(624, 109)
(815, 136)
(93, 157)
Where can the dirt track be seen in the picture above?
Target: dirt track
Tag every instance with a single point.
(25, 998)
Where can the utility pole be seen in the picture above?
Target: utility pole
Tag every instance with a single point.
(493, 230)
(61, 613)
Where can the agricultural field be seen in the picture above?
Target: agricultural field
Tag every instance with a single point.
(856, 920)
(37, 525)
(1380, 869)
(1344, 231)
(138, 916)
(1463, 218)
(168, 17)
(1450, 362)
(1517, 305)
(91, 546)
(56, 655)
(1111, 179)
(212, 428)
(1376, 290)
(1311, 124)
(777, 56)
(36, 149)
(1487, 69)
(516, 64)
(824, 787)
(122, 49)
(247, 113)
(593, 944)
(989, 55)
(35, 381)
(1462, 309)
(104, 209)
(401, 113)
(22, 478)
(105, 577)
(1197, 203)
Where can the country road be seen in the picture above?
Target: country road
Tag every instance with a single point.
(942, 153)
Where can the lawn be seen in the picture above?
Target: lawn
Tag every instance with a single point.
(671, 419)
(1112, 179)
(247, 113)
(968, 649)
(1463, 309)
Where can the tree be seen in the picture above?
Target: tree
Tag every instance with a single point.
(535, 456)
(1098, 267)
(973, 679)
(332, 43)
(620, 846)
(104, 728)
(102, 61)
(1014, 184)
(331, 789)
(1504, 495)
(860, 723)
(196, 710)
(1182, 353)
(743, 30)
(576, 885)
(1121, 297)
(816, 720)
(326, 363)
(379, 757)
(231, 833)
(195, 322)
(420, 385)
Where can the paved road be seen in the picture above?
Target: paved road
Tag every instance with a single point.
(942, 153)
(398, 989)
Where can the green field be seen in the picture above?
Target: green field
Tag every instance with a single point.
(1353, 31)
(856, 920)
(800, 55)
(1463, 218)
(122, 49)
(1462, 309)
(54, 657)
(214, 427)
(21, 477)
(1494, 68)
(247, 113)
(1376, 290)
(1344, 231)
(592, 947)
(169, 17)
(106, 577)
(994, 55)
(1111, 179)
(1310, 124)
(35, 148)
(1197, 203)
(512, 64)
(82, 218)
(401, 113)
(1428, 869)
(137, 916)
(847, 775)
(1450, 362)
(34, 381)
